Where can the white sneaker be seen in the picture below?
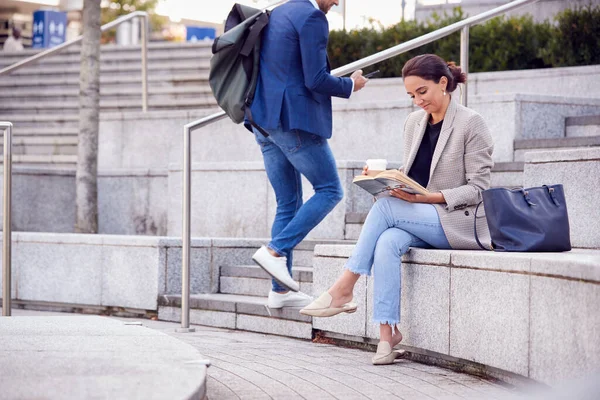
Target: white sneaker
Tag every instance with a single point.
(289, 299)
(276, 267)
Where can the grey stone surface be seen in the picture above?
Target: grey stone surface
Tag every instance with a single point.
(203, 278)
(61, 273)
(245, 286)
(515, 262)
(326, 271)
(423, 323)
(580, 194)
(217, 319)
(577, 264)
(429, 256)
(338, 251)
(548, 116)
(129, 202)
(489, 318)
(42, 200)
(564, 329)
(75, 357)
(224, 203)
(275, 326)
(582, 130)
(506, 179)
(352, 231)
(133, 205)
(130, 277)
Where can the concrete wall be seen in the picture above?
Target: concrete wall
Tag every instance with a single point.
(529, 314)
(362, 129)
(579, 172)
(131, 202)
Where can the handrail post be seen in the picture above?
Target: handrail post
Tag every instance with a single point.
(186, 236)
(464, 60)
(6, 227)
(144, 31)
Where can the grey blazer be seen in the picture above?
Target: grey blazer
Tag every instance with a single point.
(460, 169)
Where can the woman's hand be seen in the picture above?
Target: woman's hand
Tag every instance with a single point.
(365, 170)
(430, 198)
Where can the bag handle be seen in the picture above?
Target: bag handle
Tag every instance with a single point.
(475, 229)
(255, 31)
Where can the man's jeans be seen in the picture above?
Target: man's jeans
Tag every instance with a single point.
(287, 156)
(392, 226)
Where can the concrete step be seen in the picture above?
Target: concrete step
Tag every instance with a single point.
(111, 58)
(253, 281)
(25, 122)
(230, 311)
(44, 145)
(118, 105)
(156, 51)
(154, 69)
(588, 125)
(72, 92)
(132, 80)
(40, 160)
(525, 146)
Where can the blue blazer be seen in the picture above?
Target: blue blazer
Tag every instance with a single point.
(294, 86)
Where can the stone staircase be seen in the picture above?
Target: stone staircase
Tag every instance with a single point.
(41, 100)
(242, 304)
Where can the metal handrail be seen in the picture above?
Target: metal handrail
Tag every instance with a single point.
(6, 224)
(142, 15)
(463, 26)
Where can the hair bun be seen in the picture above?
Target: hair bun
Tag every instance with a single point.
(457, 75)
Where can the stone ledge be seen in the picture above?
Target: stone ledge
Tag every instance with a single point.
(581, 264)
(586, 154)
(530, 314)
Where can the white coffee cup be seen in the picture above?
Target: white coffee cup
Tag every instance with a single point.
(376, 165)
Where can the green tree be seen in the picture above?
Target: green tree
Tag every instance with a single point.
(117, 8)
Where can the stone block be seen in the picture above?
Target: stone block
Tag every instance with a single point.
(515, 262)
(132, 202)
(130, 276)
(565, 344)
(224, 202)
(217, 319)
(203, 278)
(554, 167)
(580, 264)
(54, 272)
(423, 323)
(489, 318)
(245, 286)
(274, 326)
(42, 200)
(326, 271)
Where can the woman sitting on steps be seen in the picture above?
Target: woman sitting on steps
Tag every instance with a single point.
(448, 150)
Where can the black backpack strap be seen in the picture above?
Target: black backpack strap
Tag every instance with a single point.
(254, 35)
(475, 228)
(248, 113)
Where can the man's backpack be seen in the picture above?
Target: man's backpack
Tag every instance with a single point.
(235, 62)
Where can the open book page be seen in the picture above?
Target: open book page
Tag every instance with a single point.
(387, 180)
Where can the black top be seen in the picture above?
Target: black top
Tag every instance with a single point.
(419, 171)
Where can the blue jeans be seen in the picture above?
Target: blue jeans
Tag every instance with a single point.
(392, 226)
(287, 156)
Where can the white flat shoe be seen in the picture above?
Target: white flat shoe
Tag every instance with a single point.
(289, 299)
(321, 307)
(276, 267)
(386, 354)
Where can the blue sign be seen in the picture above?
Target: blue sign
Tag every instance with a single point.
(49, 28)
(196, 33)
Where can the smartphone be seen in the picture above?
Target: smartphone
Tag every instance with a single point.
(370, 74)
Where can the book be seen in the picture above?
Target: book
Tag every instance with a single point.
(388, 180)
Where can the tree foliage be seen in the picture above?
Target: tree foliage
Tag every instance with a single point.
(502, 43)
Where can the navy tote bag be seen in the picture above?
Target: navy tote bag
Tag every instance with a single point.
(533, 219)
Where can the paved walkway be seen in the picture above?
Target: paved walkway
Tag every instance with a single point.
(256, 366)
